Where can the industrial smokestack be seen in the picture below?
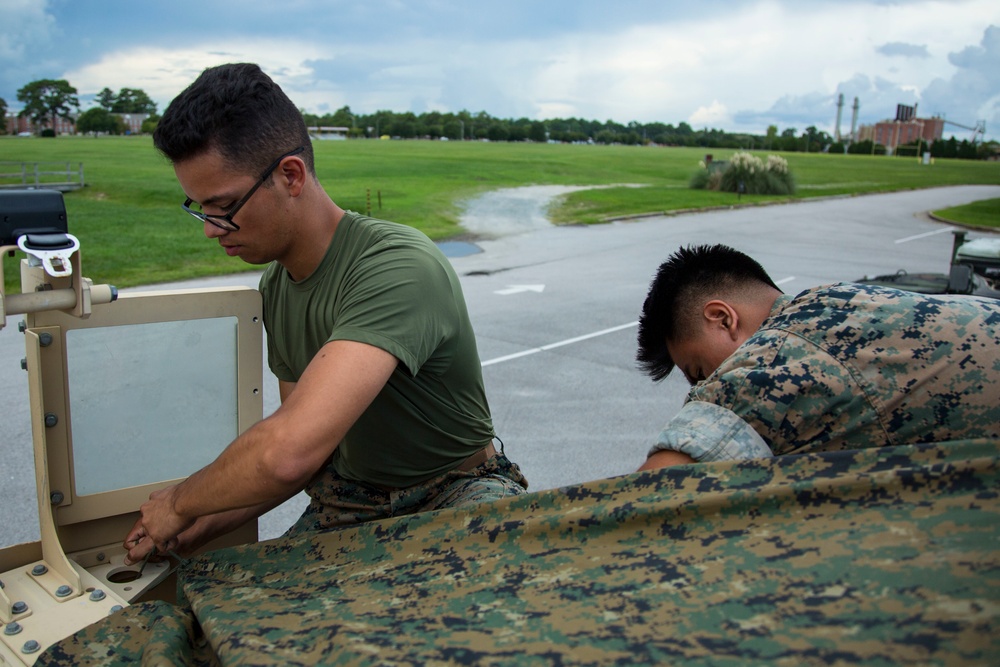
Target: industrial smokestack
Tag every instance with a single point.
(854, 121)
(840, 108)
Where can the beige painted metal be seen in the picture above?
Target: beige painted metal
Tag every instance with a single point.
(61, 584)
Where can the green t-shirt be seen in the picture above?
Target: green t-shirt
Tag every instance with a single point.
(387, 285)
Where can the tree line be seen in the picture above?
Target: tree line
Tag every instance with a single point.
(47, 100)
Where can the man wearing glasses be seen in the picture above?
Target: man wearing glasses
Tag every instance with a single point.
(383, 410)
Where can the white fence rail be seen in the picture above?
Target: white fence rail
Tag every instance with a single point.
(62, 176)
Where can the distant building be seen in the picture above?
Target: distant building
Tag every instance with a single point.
(905, 129)
(328, 132)
(133, 121)
(16, 125)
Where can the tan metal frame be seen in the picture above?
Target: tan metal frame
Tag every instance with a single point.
(81, 536)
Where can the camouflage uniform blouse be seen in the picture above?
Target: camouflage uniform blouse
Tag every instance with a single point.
(849, 366)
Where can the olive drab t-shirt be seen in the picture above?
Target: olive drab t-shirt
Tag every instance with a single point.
(387, 285)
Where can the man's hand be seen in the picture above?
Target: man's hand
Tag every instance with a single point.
(158, 525)
(665, 458)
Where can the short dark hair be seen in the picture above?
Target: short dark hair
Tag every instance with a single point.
(237, 110)
(682, 284)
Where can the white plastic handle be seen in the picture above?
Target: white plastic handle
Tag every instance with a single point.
(46, 256)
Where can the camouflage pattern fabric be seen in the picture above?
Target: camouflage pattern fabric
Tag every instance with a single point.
(878, 556)
(708, 432)
(336, 502)
(848, 366)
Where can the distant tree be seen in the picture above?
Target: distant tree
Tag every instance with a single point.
(788, 140)
(99, 120)
(453, 129)
(342, 117)
(106, 99)
(133, 100)
(810, 139)
(967, 150)
(987, 150)
(46, 100)
(517, 131)
(772, 135)
(497, 132)
(3, 116)
(606, 137)
(149, 125)
(537, 132)
(866, 147)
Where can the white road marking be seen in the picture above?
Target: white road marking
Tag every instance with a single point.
(516, 289)
(920, 236)
(552, 346)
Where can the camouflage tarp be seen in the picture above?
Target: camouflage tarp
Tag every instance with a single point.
(881, 556)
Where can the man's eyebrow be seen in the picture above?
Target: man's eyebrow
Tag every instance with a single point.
(215, 199)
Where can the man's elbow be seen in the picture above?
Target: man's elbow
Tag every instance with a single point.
(284, 462)
(665, 458)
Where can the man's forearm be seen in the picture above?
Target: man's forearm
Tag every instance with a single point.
(241, 477)
(665, 458)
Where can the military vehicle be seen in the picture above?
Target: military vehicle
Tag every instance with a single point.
(974, 270)
(878, 556)
(118, 390)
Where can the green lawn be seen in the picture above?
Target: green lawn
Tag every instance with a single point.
(985, 213)
(133, 231)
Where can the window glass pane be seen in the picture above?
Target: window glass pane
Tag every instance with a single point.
(150, 402)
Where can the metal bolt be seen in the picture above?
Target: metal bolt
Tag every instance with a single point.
(56, 497)
(30, 646)
(19, 607)
(115, 608)
(12, 628)
(97, 595)
(39, 570)
(45, 339)
(22, 326)
(50, 419)
(63, 591)
(101, 557)
(24, 364)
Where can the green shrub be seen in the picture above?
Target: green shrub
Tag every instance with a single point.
(747, 174)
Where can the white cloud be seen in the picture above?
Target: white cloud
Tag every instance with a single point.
(163, 73)
(714, 115)
(25, 25)
(738, 66)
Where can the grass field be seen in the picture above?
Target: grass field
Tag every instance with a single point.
(133, 231)
(985, 213)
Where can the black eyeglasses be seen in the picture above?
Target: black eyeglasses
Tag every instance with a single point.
(226, 221)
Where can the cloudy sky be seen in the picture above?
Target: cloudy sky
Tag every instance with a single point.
(738, 65)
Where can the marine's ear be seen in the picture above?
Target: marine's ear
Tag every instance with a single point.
(719, 314)
(292, 173)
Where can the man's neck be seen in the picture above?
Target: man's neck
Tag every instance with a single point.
(310, 247)
(760, 309)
